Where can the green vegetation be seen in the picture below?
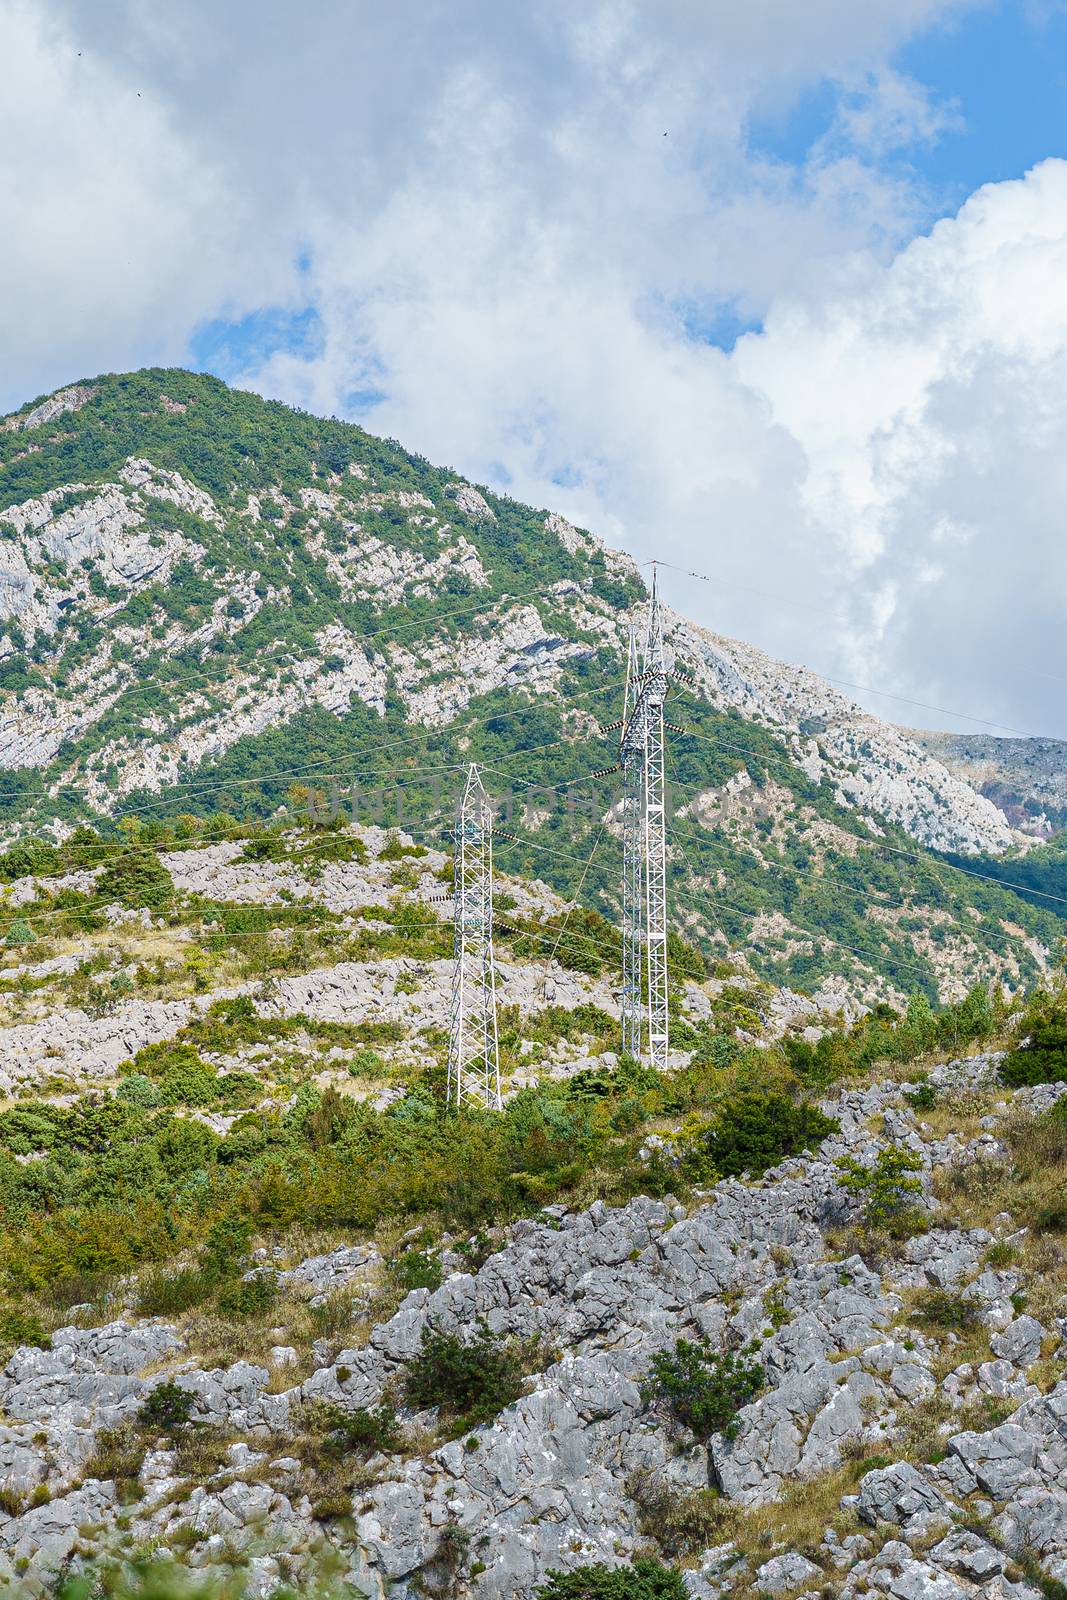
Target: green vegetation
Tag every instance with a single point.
(644, 1580)
(232, 444)
(946, 1311)
(750, 1132)
(704, 1389)
(168, 1408)
(470, 1381)
(1042, 1055)
(888, 1189)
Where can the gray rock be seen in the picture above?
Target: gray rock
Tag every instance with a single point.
(967, 1554)
(1020, 1342)
(786, 1572)
(1001, 1461)
(897, 1494)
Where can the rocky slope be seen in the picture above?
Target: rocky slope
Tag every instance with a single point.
(207, 597)
(887, 1455)
(81, 553)
(1025, 778)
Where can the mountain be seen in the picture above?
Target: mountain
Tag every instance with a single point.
(783, 1319)
(216, 604)
(1026, 779)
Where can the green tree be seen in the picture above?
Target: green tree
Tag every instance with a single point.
(888, 1189)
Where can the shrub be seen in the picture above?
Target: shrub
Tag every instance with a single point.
(188, 1086)
(119, 1455)
(680, 1521)
(472, 1381)
(704, 1389)
(888, 1190)
(226, 1244)
(138, 879)
(168, 1292)
(1050, 1219)
(250, 1297)
(1042, 1055)
(361, 1432)
(922, 1096)
(645, 1580)
(167, 1409)
(940, 1308)
(416, 1269)
(393, 850)
(366, 1063)
(750, 1132)
(19, 933)
(139, 1091)
(19, 1327)
(266, 847)
(156, 1060)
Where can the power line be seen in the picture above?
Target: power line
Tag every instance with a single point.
(880, 844)
(860, 688)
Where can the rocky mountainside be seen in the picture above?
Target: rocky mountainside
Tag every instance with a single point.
(903, 1431)
(208, 598)
(763, 1325)
(1025, 778)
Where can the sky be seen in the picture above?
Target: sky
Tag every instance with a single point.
(775, 294)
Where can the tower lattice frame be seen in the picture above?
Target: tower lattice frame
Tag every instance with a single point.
(473, 1044)
(644, 873)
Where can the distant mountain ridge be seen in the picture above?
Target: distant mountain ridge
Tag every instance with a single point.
(1026, 779)
(206, 597)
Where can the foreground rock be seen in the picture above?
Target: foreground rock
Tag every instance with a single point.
(568, 1474)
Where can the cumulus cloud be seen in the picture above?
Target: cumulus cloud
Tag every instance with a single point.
(927, 398)
(117, 237)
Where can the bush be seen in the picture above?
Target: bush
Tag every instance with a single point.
(167, 1409)
(22, 1327)
(139, 1091)
(1042, 1057)
(750, 1132)
(682, 1522)
(393, 850)
(888, 1189)
(940, 1308)
(138, 879)
(645, 1580)
(704, 1389)
(416, 1269)
(266, 847)
(19, 933)
(922, 1096)
(250, 1297)
(472, 1382)
(361, 1432)
(167, 1293)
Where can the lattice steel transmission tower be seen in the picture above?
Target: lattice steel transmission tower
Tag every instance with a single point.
(473, 1047)
(644, 845)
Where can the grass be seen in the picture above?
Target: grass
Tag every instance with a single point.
(685, 1524)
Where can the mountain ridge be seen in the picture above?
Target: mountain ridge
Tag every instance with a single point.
(208, 596)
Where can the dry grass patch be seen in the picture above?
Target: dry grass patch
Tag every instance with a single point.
(683, 1525)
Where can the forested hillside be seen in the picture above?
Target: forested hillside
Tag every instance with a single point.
(217, 606)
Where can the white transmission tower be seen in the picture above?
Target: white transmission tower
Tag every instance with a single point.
(473, 1048)
(644, 871)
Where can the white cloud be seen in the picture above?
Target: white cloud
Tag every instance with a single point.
(117, 238)
(517, 223)
(927, 398)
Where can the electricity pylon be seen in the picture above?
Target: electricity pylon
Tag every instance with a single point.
(644, 844)
(473, 1047)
